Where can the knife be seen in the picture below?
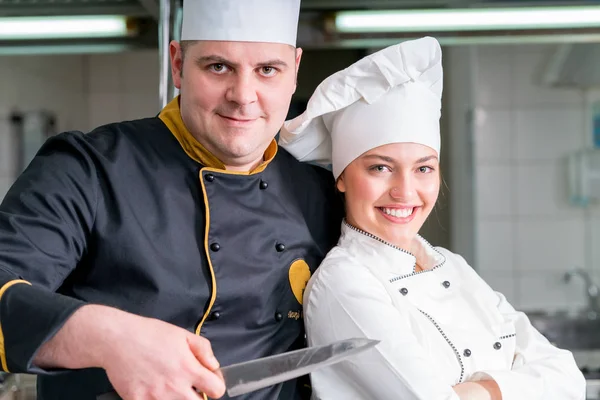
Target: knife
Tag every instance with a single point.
(256, 374)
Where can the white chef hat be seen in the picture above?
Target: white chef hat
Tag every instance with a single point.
(391, 96)
(271, 21)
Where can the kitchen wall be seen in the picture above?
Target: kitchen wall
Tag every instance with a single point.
(82, 91)
(527, 234)
(86, 91)
(504, 167)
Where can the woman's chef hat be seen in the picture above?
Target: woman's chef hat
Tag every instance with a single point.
(271, 21)
(391, 96)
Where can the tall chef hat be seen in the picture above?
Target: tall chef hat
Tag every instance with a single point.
(271, 21)
(391, 96)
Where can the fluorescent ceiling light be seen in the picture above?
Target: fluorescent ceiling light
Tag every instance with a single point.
(438, 20)
(68, 27)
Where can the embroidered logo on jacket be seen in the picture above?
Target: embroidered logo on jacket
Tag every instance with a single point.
(299, 276)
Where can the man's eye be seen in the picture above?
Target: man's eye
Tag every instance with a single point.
(268, 71)
(218, 67)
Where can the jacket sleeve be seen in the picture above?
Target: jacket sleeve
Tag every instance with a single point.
(343, 302)
(540, 371)
(45, 221)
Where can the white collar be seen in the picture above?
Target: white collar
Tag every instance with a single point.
(388, 256)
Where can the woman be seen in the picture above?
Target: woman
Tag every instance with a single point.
(445, 334)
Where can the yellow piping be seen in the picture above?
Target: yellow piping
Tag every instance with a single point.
(213, 294)
(2, 349)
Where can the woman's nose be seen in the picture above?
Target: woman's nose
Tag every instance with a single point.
(402, 190)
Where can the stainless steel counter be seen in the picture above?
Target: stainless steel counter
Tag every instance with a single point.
(593, 389)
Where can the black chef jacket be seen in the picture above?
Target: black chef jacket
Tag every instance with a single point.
(136, 216)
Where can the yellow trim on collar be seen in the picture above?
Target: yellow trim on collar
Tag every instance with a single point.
(171, 116)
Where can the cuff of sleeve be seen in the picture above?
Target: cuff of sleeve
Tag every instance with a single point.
(29, 317)
(513, 386)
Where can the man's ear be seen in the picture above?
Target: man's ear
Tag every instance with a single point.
(297, 63)
(176, 63)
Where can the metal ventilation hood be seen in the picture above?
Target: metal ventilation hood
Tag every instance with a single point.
(574, 65)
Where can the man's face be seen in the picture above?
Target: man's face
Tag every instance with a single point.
(235, 95)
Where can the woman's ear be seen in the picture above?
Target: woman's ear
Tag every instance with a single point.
(340, 185)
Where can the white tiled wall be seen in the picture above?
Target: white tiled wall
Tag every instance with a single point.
(527, 233)
(82, 91)
(123, 87)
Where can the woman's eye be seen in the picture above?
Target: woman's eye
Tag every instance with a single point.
(380, 168)
(425, 170)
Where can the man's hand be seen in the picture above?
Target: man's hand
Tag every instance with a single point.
(144, 358)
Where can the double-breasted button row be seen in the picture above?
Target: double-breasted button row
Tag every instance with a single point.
(262, 184)
(404, 291)
(467, 352)
(216, 247)
(215, 316)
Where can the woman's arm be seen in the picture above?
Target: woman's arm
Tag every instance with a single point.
(540, 371)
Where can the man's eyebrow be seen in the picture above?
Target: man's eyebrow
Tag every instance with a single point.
(215, 59)
(273, 63)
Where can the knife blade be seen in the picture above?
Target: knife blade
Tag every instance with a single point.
(248, 376)
(252, 375)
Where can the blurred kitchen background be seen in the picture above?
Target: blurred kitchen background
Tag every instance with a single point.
(521, 127)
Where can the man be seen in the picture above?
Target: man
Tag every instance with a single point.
(127, 254)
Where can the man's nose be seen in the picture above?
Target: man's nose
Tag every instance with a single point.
(242, 90)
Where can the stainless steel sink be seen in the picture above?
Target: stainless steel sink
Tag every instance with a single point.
(568, 332)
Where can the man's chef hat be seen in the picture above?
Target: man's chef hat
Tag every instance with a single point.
(391, 96)
(271, 21)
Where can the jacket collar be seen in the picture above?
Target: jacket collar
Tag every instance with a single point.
(171, 117)
(387, 256)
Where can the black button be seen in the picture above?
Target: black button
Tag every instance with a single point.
(209, 177)
(278, 316)
(404, 291)
(497, 345)
(215, 315)
(280, 247)
(263, 185)
(215, 247)
(467, 353)
(446, 284)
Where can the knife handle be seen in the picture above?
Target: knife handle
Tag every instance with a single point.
(109, 396)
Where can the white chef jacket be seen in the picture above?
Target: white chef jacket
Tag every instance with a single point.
(438, 328)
